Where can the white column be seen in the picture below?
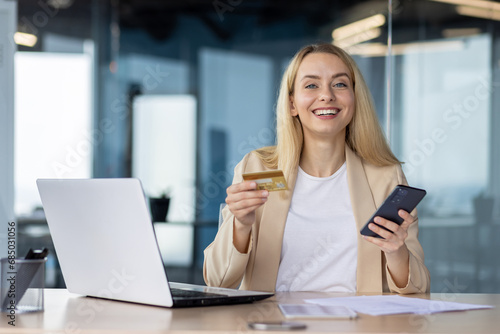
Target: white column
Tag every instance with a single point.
(8, 19)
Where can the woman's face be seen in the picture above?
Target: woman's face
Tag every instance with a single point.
(323, 96)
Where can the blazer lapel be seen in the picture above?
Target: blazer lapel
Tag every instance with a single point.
(369, 268)
(272, 227)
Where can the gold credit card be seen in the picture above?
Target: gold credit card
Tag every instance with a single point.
(273, 180)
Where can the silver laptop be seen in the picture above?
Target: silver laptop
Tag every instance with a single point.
(106, 245)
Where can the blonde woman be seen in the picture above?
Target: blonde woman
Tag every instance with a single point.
(339, 169)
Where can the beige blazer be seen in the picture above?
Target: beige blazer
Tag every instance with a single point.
(369, 185)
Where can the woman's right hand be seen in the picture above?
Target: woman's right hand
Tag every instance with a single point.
(243, 199)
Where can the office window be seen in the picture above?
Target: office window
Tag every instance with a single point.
(164, 151)
(443, 128)
(236, 98)
(53, 137)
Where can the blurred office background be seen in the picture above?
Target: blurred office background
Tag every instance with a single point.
(176, 92)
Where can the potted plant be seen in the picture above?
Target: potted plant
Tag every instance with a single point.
(159, 207)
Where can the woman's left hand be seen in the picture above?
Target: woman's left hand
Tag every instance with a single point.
(393, 245)
(394, 239)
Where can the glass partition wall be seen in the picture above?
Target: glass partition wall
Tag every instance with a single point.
(432, 67)
(442, 125)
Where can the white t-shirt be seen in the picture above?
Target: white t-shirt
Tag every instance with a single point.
(319, 250)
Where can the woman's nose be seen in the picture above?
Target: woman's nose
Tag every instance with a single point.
(327, 95)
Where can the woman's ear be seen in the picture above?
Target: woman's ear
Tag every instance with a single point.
(293, 110)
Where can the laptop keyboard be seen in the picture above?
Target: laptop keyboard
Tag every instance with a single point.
(176, 293)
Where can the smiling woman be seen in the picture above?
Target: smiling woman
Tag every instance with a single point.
(339, 169)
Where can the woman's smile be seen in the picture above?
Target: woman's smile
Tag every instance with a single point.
(326, 113)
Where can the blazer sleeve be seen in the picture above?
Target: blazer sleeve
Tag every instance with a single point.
(224, 266)
(419, 277)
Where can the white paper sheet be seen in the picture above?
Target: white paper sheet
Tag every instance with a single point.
(394, 304)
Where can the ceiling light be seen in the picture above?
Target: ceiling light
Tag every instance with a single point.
(358, 27)
(368, 50)
(380, 50)
(484, 4)
(358, 38)
(60, 4)
(479, 12)
(461, 32)
(25, 39)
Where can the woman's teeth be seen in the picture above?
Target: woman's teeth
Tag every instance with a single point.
(326, 112)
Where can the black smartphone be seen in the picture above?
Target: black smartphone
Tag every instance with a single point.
(276, 326)
(402, 197)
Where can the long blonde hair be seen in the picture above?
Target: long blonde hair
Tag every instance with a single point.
(363, 134)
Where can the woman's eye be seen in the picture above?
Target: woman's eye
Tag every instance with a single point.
(340, 85)
(311, 86)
